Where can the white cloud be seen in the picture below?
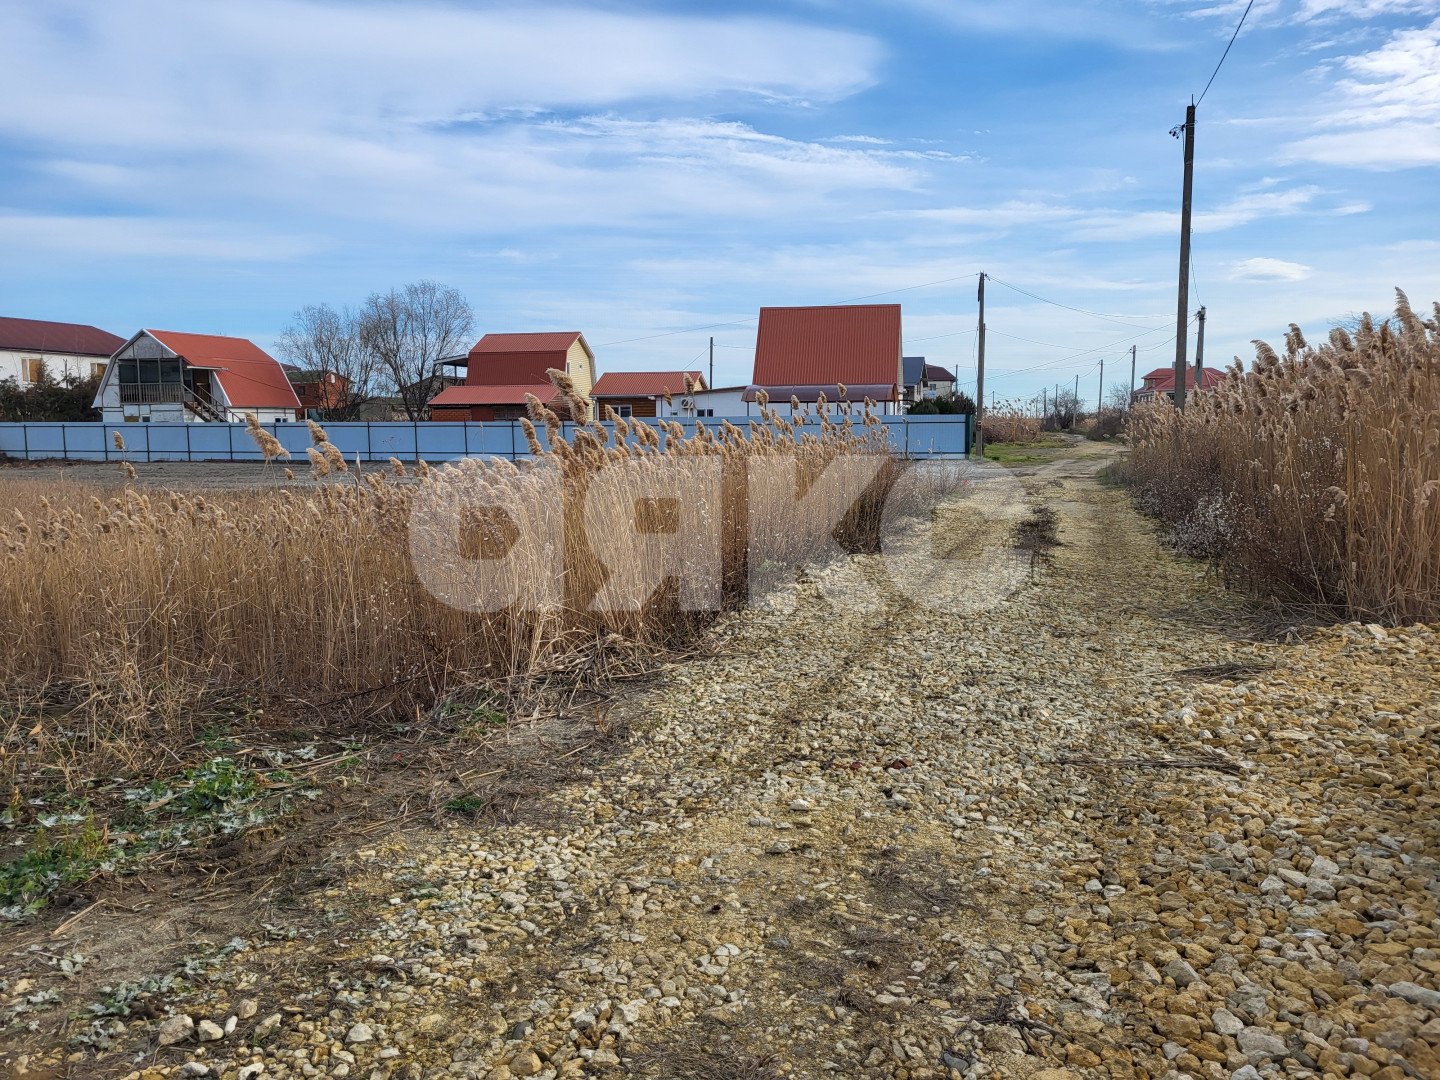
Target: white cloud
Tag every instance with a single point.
(132, 238)
(1362, 9)
(1263, 269)
(1388, 109)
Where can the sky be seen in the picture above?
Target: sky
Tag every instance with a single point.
(652, 174)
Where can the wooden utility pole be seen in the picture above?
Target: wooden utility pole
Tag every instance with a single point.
(711, 384)
(1200, 351)
(1044, 402)
(980, 376)
(1182, 304)
(1075, 415)
(1131, 400)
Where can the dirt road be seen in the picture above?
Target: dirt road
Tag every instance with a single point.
(915, 842)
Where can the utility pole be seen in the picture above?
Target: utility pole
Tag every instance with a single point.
(1182, 305)
(1044, 402)
(1100, 401)
(1131, 400)
(1200, 351)
(980, 377)
(1076, 414)
(711, 384)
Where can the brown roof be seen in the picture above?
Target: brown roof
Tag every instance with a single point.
(251, 377)
(644, 383)
(513, 359)
(818, 346)
(936, 373)
(1162, 380)
(40, 336)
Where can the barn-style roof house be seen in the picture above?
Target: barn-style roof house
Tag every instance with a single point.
(802, 352)
(502, 368)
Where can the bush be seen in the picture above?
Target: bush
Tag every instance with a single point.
(1109, 424)
(1316, 475)
(1010, 426)
(48, 398)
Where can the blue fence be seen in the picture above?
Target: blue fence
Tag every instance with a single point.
(910, 436)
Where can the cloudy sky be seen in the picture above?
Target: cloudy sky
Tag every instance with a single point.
(636, 170)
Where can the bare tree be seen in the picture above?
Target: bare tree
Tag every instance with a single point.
(409, 330)
(328, 342)
(1118, 398)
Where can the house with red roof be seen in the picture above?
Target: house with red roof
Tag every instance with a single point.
(61, 350)
(642, 393)
(1161, 381)
(165, 375)
(803, 352)
(502, 368)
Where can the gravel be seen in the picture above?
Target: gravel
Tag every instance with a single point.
(917, 843)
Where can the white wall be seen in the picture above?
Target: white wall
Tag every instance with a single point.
(12, 364)
(725, 403)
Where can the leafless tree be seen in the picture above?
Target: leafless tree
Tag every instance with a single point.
(409, 330)
(1118, 397)
(323, 340)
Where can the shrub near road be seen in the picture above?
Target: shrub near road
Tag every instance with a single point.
(1317, 474)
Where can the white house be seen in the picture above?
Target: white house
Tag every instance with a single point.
(162, 375)
(721, 401)
(62, 349)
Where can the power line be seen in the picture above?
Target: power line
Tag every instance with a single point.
(1093, 314)
(1227, 50)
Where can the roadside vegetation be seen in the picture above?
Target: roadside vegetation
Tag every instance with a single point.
(215, 640)
(1317, 474)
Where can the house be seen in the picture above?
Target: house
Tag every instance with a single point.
(28, 346)
(642, 393)
(317, 391)
(924, 381)
(717, 401)
(803, 352)
(502, 368)
(1162, 381)
(164, 375)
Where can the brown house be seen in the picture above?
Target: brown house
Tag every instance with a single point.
(503, 368)
(318, 391)
(635, 393)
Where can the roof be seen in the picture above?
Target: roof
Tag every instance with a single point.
(513, 359)
(913, 367)
(936, 373)
(810, 346)
(460, 396)
(250, 377)
(1162, 380)
(38, 335)
(856, 395)
(299, 376)
(644, 383)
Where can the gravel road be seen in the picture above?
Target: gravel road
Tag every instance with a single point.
(918, 842)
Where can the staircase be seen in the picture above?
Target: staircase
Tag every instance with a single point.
(203, 409)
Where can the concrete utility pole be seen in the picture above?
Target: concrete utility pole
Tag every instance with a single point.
(1100, 401)
(1200, 352)
(711, 384)
(1182, 305)
(980, 377)
(1044, 402)
(1131, 400)
(1076, 414)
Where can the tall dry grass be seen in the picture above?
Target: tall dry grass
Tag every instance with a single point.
(1317, 474)
(309, 593)
(1010, 424)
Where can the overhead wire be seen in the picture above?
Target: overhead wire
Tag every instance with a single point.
(1226, 53)
(1111, 316)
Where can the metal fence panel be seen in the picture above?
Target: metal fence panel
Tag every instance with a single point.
(911, 436)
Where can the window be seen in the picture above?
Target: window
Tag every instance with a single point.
(34, 368)
(97, 371)
(625, 411)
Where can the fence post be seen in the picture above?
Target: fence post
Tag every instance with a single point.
(189, 454)
(229, 441)
(25, 438)
(64, 442)
(369, 442)
(104, 441)
(512, 440)
(465, 437)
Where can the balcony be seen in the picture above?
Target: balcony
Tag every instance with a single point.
(152, 393)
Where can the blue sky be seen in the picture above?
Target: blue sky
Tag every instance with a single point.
(632, 169)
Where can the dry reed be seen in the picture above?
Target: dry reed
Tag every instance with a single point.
(1317, 474)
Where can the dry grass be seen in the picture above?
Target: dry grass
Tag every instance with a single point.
(134, 609)
(1316, 475)
(1010, 425)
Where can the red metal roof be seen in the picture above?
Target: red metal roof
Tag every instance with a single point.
(250, 377)
(644, 383)
(38, 335)
(815, 346)
(936, 373)
(493, 395)
(1162, 380)
(512, 359)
